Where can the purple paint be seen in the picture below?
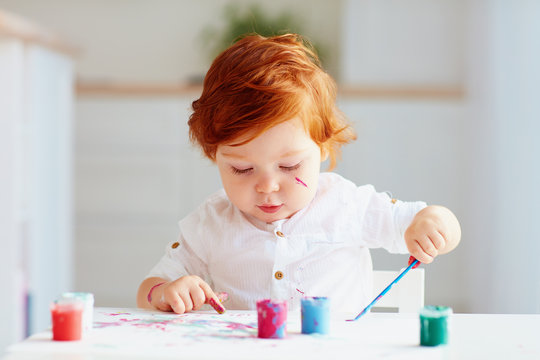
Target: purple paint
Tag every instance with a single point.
(272, 318)
(298, 181)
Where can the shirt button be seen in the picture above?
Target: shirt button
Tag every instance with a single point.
(280, 234)
(175, 245)
(393, 201)
(278, 275)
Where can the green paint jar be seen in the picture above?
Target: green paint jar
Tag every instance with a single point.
(434, 325)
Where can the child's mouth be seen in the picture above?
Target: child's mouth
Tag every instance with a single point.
(270, 209)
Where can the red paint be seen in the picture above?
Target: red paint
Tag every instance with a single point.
(411, 260)
(218, 307)
(67, 320)
(272, 319)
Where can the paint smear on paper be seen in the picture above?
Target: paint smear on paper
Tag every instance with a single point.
(193, 325)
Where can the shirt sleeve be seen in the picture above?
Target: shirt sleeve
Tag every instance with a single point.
(384, 220)
(179, 260)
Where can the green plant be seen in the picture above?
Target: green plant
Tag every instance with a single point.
(247, 20)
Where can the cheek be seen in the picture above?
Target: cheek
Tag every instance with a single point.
(238, 191)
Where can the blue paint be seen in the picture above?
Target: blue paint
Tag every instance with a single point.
(315, 315)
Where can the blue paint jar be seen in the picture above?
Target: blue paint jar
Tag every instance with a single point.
(315, 315)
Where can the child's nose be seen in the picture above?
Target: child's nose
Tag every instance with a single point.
(267, 184)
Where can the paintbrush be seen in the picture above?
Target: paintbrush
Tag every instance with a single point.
(412, 264)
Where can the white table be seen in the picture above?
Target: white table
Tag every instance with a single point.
(139, 334)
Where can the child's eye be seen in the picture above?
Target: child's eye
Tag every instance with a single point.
(240, 171)
(290, 168)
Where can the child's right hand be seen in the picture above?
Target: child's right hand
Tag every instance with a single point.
(183, 294)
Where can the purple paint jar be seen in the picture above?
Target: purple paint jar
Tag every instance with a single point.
(272, 318)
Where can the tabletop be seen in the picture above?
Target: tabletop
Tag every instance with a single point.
(123, 333)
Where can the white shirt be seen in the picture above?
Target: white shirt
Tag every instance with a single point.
(322, 250)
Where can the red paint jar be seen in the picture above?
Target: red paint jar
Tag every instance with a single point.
(272, 318)
(67, 319)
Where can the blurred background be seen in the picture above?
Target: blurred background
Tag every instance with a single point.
(96, 166)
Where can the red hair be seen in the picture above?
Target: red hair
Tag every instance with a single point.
(260, 82)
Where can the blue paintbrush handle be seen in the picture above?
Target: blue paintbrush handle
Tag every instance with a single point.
(413, 264)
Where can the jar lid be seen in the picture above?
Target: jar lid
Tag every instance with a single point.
(435, 311)
(320, 301)
(85, 296)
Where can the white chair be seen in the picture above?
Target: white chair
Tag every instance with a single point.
(407, 295)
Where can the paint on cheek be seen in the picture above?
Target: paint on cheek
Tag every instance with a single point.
(272, 319)
(300, 182)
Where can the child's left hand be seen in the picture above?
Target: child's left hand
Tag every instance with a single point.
(433, 231)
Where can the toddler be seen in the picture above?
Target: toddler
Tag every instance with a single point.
(280, 228)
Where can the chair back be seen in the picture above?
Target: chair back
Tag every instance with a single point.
(407, 295)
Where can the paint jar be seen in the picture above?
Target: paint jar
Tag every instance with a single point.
(88, 312)
(66, 315)
(272, 318)
(315, 315)
(434, 325)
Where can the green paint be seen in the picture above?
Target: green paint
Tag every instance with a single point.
(434, 325)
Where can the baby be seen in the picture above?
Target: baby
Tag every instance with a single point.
(280, 228)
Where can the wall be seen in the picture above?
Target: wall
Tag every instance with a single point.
(410, 147)
(503, 163)
(136, 176)
(12, 275)
(160, 41)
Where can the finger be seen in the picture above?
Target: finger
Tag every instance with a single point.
(214, 302)
(418, 252)
(186, 298)
(198, 298)
(428, 247)
(438, 240)
(162, 304)
(211, 297)
(165, 307)
(176, 303)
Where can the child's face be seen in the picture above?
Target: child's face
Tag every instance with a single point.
(260, 177)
